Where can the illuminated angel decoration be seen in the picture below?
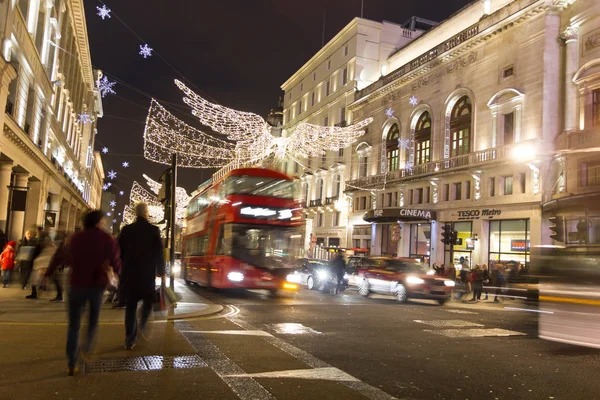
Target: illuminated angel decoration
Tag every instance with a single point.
(247, 136)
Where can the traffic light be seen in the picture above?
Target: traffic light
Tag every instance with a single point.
(164, 193)
(446, 234)
(454, 238)
(558, 228)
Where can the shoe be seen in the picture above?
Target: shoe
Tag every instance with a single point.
(57, 300)
(71, 371)
(486, 298)
(129, 346)
(145, 333)
(496, 301)
(4, 286)
(120, 306)
(31, 296)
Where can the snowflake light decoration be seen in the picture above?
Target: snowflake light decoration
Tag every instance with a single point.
(108, 214)
(106, 87)
(85, 118)
(109, 184)
(145, 51)
(389, 112)
(125, 164)
(119, 214)
(104, 150)
(103, 12)
(121, 192)
(413, 101)
(112, 203)
(249, 136)
(105, 187)
(112, 174)
(114, 221)
(404, 143)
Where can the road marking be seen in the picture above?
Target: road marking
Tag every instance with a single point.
(462, 312)
(246, 388)
(292, 329)
(572, 300)
(232, 332)
(323, 374)
(448, 322)
(464, 333)
(359, 386)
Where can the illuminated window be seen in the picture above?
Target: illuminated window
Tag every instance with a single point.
(589, 174)
(392, 148)
(460, 127)
(423, 139)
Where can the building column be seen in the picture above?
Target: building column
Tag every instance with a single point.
(5, 172)
(17, 218)
(570, 37)
(34, 204)
(72, 218)
(63, 216)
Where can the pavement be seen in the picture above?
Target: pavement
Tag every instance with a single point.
(308, 345)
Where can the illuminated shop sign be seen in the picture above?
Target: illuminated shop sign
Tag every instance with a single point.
(477, 214)
(261, 212)
(519, 245)
(398, 214)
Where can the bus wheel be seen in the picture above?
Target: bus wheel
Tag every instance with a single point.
(187, 282)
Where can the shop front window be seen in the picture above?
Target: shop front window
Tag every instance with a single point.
(420, 242)
(509, 241)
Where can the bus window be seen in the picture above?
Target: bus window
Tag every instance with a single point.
(260, 186)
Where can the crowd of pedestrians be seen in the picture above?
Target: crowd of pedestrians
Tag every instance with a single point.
(93, 258)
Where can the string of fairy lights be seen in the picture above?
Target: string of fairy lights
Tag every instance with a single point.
(246, 137)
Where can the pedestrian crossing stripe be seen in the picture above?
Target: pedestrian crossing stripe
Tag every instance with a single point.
(233, 332)
(326, 374)
(463, 333)
(449, 323)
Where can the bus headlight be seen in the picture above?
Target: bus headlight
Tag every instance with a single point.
(322, 275)
(235, 276)
(295, 278)
(450, 283)
(414, 280)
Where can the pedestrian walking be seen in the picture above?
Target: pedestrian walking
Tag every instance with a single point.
(7, 261)
(89, 254)
(500, 281)
(60, 256)
(142, 256)
(27, 252)
(477, 283)
(40, 265)
(485, 273)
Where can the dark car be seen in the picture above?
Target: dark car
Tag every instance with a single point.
(404, 278)
(312, 273)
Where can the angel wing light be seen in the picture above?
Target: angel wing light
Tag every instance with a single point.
(247, 136)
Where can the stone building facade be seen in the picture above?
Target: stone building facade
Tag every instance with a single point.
(49, 108)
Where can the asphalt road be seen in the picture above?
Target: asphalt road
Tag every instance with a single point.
(377, 348)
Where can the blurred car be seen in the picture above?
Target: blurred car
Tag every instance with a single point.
(312, 273)
(403, 278)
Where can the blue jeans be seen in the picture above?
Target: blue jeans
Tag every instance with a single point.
(6, 276)
(130, 314)
(77, 299)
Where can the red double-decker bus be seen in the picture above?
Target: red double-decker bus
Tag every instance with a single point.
(244, 231)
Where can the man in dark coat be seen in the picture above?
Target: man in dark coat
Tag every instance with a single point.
(142, 256)
(30, 242)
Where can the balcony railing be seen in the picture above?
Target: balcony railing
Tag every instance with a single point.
(459, 162)
(316, 203)
(331, 200)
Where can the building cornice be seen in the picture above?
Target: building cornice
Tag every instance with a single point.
(83, 47)
(448, 51)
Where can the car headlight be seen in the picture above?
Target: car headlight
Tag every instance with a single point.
(176, 268)
(431, 272)
(293, 278)
(450, 283)
(413, 280)
(235, 276)
(322, 274)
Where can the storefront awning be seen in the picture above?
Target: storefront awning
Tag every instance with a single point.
(398, 214)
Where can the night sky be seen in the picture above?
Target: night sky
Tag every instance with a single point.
(234, 52)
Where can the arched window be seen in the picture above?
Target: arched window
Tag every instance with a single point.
(391, 145)
(460, 127)
(423, 139)
(320, 189)
(337, 185)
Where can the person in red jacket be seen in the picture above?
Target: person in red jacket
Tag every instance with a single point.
(7, 260)
(89, 254)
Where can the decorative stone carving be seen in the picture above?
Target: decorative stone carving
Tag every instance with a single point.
(591, 42)
(570, 34)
